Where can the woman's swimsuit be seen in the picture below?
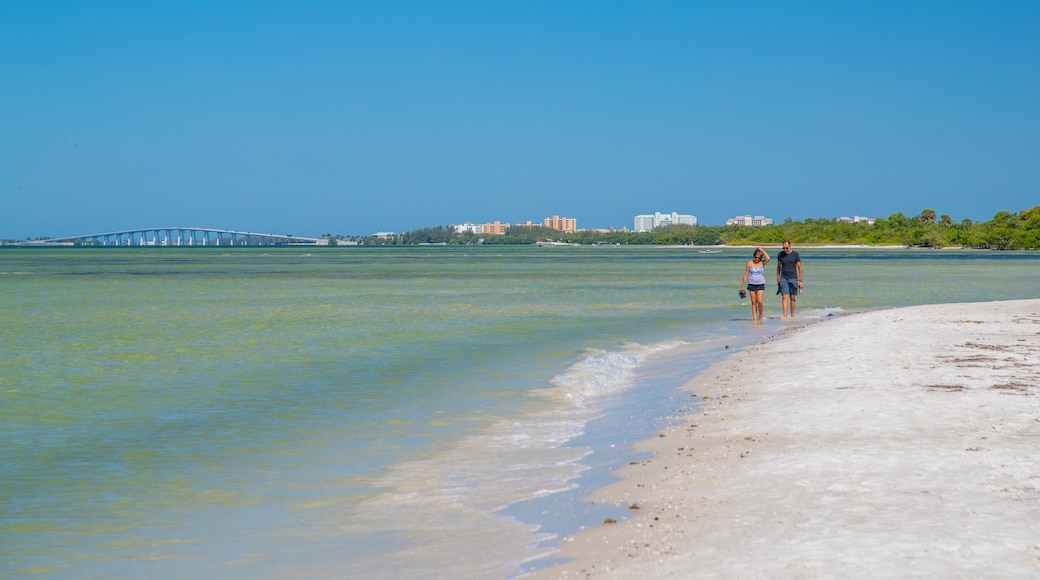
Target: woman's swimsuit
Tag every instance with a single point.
(757, 275)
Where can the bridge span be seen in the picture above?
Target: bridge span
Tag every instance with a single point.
(178, 236)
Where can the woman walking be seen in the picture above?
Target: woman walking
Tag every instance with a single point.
(755, 279)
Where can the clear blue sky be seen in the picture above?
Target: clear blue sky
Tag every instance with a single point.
(355, 117)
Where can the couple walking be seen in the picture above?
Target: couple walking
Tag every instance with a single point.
(788, 278)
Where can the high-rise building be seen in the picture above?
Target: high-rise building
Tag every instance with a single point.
(647, 222)
(497, 228)
(562, 224)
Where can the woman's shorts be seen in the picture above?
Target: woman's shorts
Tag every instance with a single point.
(756, 287)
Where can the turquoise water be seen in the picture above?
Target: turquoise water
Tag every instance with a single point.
(322, 412)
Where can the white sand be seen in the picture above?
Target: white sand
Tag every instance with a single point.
(892, 444)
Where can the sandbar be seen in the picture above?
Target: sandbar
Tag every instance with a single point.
(894, 443)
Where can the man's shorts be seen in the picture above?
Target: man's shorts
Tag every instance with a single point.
(789, 286)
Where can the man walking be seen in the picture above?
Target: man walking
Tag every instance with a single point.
(789, 277)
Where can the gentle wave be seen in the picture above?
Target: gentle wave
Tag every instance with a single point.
(603, 372)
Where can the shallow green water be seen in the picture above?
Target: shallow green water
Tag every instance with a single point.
(145, 392)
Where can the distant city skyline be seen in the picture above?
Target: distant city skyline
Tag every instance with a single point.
(355, 117)
(656, 219)
(497, 226)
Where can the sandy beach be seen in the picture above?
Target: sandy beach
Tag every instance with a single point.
(895, 443)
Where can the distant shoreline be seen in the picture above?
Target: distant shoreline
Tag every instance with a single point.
(699, 247)
(801, 246)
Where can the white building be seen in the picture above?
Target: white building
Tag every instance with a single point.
(855, 220)
(647, 222)
(469, 227)
(746, 220)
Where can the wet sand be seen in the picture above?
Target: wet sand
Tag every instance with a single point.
(898, 443)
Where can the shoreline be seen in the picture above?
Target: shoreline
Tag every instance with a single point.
(891, 443)
(811, 246)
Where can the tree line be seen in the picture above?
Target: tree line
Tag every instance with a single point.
(1006, 231)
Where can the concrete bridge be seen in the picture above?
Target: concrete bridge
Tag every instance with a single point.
(178, 236)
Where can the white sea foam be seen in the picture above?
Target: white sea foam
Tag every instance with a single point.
(603, 372)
